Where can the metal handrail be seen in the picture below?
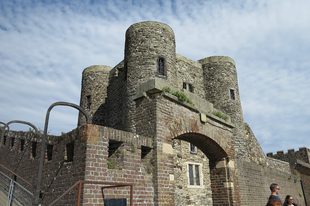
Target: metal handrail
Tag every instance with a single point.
(37, 200)
(79, 183)
(16, 121)
(33, 186)
(11, 188)
(17, 183)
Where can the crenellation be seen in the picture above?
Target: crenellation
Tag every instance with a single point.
(291, 151)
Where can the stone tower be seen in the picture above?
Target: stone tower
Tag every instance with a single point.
(221, 89)
(95, 80)
(149, 53)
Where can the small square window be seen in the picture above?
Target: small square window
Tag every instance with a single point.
(188, 87)
(145, 151)
(113, 146)
(193, 148)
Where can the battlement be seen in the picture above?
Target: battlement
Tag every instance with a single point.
(290, 151)
(291, 156)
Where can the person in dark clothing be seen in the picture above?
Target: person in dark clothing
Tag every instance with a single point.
(289, 201)
(274, 191)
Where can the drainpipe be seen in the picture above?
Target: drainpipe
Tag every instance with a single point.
(227, 177)
(303, 191)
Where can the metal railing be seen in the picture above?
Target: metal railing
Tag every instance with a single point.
(38, 186)
(15, 192)
(81, 182)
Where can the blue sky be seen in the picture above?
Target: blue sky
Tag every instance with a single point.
(45, 46)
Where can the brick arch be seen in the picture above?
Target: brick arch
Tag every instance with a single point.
(222, 195)
(206, 144)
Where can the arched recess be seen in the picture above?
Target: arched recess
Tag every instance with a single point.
(219, 172)
(207, 145)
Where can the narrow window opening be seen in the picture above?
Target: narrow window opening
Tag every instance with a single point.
(41, 195)
(161, 65)
(125, 72)
(34, 149)
(184, 85)
(88, 101)
(190, 88)
(4, 139)
(12, 142)
(113, 146)
(70, 152)
(145, 151)
(232, 94)
(22, 144)
(49, 152)
(193, 148)
(190, 174)
(197, 174)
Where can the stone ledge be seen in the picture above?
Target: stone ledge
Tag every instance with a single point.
(201, 105)
(123, 136)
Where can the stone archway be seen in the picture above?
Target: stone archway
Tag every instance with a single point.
(219, 172)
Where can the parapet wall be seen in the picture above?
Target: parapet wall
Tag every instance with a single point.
(291, 156)
(255, 179)
(83, 154)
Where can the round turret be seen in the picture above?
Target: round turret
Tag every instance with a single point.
(149, 51)
(221, 89)
(95, 80)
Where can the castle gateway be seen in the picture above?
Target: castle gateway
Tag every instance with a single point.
(170, 127)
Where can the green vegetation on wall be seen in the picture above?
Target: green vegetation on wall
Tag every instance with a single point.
(180, 95)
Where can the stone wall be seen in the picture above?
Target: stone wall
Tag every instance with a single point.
(299, 164)
(59, 172)
(190, 74)
(186, 194)
(255, 179)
